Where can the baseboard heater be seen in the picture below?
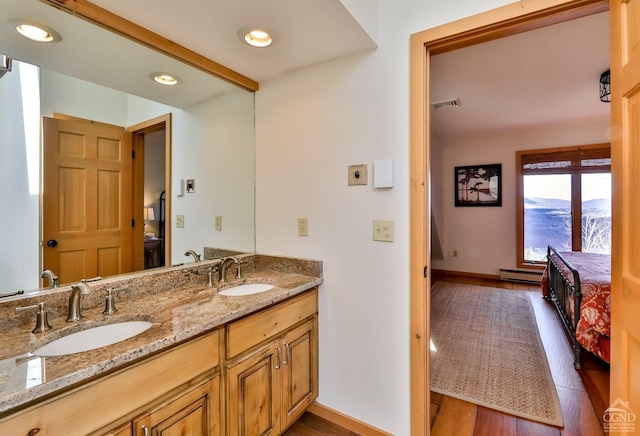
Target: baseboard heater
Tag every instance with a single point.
(523, 276)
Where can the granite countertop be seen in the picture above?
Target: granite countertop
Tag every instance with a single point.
(178, 302)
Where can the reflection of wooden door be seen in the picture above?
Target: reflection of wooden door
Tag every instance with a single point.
(625, 295)
(86, 199)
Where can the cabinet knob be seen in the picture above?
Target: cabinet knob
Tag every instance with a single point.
(51, 243)
(33, 431)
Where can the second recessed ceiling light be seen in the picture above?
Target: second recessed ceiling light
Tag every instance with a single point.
(257, 37)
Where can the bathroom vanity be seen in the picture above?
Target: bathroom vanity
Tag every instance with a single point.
(210, 364)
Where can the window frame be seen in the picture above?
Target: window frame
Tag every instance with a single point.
(575, 154)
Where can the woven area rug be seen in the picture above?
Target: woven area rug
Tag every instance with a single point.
(488, 351)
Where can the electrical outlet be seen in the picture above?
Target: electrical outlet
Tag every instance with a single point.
(357, 174)
(218, 222)
(383, 230)
(180, 221)
(303, 227)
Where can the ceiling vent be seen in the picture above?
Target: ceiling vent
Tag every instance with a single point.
(446, 103)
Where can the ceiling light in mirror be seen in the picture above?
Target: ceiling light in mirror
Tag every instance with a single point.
(35, 32)
(165, 79)
(257, 37)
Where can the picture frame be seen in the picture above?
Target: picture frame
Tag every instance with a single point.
(478, 185)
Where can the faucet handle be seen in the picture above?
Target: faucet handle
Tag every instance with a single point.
(238, 271)
(42, 323)
(209, 272)
(109, 303)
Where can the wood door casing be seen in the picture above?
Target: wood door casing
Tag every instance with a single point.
(503, 21)
(625, 280)
(87, 199)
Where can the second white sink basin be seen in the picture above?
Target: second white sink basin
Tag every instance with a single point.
(92, 338)
(246, 289)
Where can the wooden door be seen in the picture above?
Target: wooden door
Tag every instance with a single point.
(625, 295)
(253, 402)
(299, 371)
(194, 413)
(86, 199)
(123, 430)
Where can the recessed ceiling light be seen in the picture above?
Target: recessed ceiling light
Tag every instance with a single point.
(34, 31)
(165, 79)
(257, 37)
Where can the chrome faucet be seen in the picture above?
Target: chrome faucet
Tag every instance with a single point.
(224, 264)
(196, 256)
(74, 299)
(51, 277)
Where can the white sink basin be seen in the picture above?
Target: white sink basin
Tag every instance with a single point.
(246, 289)
(94, 337)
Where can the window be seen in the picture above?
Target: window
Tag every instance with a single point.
(563, 200)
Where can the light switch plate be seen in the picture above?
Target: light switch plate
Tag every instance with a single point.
(303, 227)
(383, 230)
(357, 174)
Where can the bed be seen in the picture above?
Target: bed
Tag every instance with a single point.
(579, 286)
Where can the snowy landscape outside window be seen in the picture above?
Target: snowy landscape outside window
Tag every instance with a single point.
(564, 200)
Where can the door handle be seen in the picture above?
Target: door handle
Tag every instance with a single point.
(287, 354)
(52, 243)
(279, 357)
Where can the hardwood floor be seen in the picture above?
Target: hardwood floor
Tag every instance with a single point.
(311, 425)
(583, 394)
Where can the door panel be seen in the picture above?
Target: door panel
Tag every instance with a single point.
(300, 371)
(87, 199)
(254, 394)
(625, 296)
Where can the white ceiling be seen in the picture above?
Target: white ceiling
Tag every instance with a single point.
(545, 76)
(308, 31)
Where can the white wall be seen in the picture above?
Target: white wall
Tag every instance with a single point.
(214, 144)
(485, 237)
(70, 96)
(310, 125)
(19, 255)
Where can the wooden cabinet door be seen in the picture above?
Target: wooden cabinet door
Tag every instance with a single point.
(195, 413)
(299, 371)
(253, 384)
(123, 430)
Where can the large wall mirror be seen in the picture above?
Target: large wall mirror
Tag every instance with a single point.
(207, 176)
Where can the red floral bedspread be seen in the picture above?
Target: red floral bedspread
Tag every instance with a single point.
(594, 326)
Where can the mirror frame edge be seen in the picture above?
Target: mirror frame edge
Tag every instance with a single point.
(115, 23)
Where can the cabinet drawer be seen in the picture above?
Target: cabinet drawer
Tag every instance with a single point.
(107, 399)
(244, 334)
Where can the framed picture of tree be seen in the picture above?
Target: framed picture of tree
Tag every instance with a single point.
(478, 185)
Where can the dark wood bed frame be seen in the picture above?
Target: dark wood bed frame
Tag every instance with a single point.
(560, 290)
